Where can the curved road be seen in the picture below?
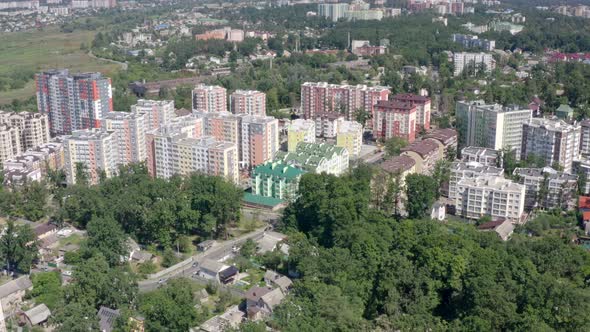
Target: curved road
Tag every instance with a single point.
(122, 64)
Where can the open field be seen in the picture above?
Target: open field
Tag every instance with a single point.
(46, 49)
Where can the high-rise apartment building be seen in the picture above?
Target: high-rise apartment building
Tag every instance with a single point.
(33, 127)
(209, 98)
(471, 41)
(548, 188)
(422, 108)
(129, 130)
(395, 119)
(73, 102)
(585, 138)
(333, 11)
(326, 124)
(158, 112)
(186, 126)
(490, 126)
(473, 62)
(555, 141)
(248, 102)
(259, 139)
(484, 156)
(223, 126)
(321, 97)
(468, 170)
(300, 130)
(10, 145)
(95, 149)
(350, 136)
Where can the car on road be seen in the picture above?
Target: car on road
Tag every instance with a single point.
(161, 281)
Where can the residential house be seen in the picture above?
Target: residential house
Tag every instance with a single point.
(12, 292)
(37, 315)
(425, 153)
(274, 279)
(270, 241)
(502, 227)
(261, 301)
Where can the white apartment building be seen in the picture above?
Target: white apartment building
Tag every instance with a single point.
(95, 149)
(491, 196)
(179, 154)
(468, 170)
(559, 187)
(300, 130)
(491, 126)
(250, 102)
(209, 98)
(33, 127)
(484, 156)
(350, 136)
(585, 138)
(10, 144)
(326, 124)
(158, 112)
(129, 130)
(317, 158)
(473, 62)
(556, 141)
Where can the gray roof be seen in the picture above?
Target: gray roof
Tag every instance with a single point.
(211, 265)
(273, 298)
(284, 283)
(15, 285)
(38, 314)
(107, 317)
(255, 293)
(141, 255)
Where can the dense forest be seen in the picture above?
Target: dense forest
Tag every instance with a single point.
(361, 269)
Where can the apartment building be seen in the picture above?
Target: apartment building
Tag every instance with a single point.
(446, 138)
(333, 11)
(326, 124)
(259, 139)
(300, 130)
(555, 141)
(209, 98)
(585, 137)
(276, 180)
(159, 163)
(425, 153)
(248, 102)
(157, 112)
(484, 156)
(95, 149)
(350, 136)
(395, 119)
(129, 130)
(491, 196)
(10, 142)
(491, 126)
(73, 102)
(33, 127)
(472, 62)
(321, 97)
(581, 167)
(224, 126)
(460, 170)
(317, 158)
(422, 108)
(471, 41)
(33, 165)
(547, 188)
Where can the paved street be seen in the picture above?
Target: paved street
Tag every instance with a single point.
(218, 251)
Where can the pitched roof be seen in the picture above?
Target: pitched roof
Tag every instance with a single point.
(444, 135)
(38, 314)
(228, 272)
(423, 148)
(256, 292)
(278, 169)
(13, 286)
(44, 228)
(211, 265)
(584, 202)
(284, 283)
(273, 298)
(107, 317)
(398, 164)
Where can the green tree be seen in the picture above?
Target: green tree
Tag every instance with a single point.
(18, 247)
(170, 308)
(421, 193)
(106, 236)
(248, 249)
(394, 145)
(441, 174)
(47, 289)
(76, 317)
(169, 258)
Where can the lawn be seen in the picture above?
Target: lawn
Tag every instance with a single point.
(41, 50)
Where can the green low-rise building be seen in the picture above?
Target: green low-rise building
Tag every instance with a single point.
(276, 180)
(317, 158)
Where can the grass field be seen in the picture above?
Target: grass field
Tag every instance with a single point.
(46, 49)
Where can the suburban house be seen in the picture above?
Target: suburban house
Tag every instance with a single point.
(230, 319)
(12, 292)
(261, 301)
(35, 316)
(269, 242)
(277, 280)
(425, 153)
(44, 230)
(504, 228)
(214, 270)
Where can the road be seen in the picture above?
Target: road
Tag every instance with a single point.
(122, 64)
(218, 251)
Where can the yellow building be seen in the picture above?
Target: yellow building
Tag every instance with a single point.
(350, 137)
(300, 131)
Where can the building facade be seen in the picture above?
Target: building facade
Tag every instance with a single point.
(259, 139)
(395, 119)
(350, 136)
(129, 130)
(554, 141)
(248, 102)
(209, 98)
(484, 156)
(300, 130)
(491, 126)
(473, 62)
(422, 108)
(73, 102)
(157, 112)
(547, 188)
(321, 97)
(317, 158)
(10, 142)
(95, 149)
(33, 127)
(469, 170)
(276, 180)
